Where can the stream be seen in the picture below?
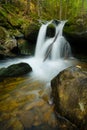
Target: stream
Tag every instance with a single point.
(26, 102)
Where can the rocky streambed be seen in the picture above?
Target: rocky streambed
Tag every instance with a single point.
(69, 90)
(24, 104)
(30, 104)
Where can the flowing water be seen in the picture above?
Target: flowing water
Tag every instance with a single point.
(46, 64)
(25, 101)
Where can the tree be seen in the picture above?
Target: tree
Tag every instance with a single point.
(82, 6)
(28, 7)
(60, 13)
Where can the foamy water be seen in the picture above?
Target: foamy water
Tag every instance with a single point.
(59, 58)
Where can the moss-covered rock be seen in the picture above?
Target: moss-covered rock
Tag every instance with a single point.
(69, 89)
(3, 34)
(50, 30)
(76, 34)
(31, 33)
(15, 70)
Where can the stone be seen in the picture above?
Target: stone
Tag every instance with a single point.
(15, 70)
(31, 33)
(69, 90)
(3, 34)
(76, 34)
(50, 30)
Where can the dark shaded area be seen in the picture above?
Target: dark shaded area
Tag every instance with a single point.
(78, 43)
(50, 31)
(16, 50)
(31, 33)
(2, 56)
(42, 127)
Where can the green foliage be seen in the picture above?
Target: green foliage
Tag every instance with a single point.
(3, 33)
(14, 13)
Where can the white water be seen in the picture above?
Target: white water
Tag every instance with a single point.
(60, 55)
(41, 39)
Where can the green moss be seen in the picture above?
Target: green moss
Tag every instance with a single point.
(9, 8)
(3, 33)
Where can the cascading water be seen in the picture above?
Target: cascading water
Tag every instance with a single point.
(59, 46)
(51, 54)
(41, 39)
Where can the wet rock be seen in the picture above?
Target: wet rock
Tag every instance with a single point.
(11, 45)
(76, 34)
(22, 105)
(37, 115)
(9, 48)
(69, 90)
(77, 40)
(15, 70)
(13, 124)
(1, 56)
(3, 35)
(50, 30)
(15, 50)
(31, 33)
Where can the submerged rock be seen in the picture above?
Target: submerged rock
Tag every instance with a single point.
(69, 90)
(15, 70)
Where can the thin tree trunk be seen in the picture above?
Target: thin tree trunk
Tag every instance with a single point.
(57, 10)
(82, 6)
(60, 15)
(6, 1)
(28, 7)
(39, 8)
(66, 8)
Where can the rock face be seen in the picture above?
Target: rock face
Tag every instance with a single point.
(69, 90)
(15, 70)
(8, 45)
(77, 40)
(50, 30)
(3, 34)
(76, 34)
(31, 33)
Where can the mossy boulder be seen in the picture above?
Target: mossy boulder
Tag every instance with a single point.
(3, 34)
(69, 90)
(76, 34)
(50, 30)
(15, 70)
(31, 33)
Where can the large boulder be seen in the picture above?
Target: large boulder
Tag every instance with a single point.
(69, 90)
(31, 33)
(76, 33)
(50, 30)
(15, 70)
(3, 35)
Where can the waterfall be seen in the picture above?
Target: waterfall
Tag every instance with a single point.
(58, 46)
(52, 54)
(41, 39)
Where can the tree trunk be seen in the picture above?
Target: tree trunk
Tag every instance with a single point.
(39, 8)
(66, 8)
(28, 7)
(82, 6)
(6, 1)
(60, 15)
